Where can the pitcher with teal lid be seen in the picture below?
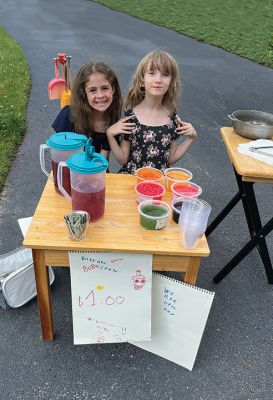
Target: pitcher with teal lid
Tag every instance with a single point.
(87, 178)
(62, 146)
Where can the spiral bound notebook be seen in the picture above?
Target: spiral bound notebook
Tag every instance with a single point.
(179, 316)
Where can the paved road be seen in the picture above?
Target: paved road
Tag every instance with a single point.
(235, 356)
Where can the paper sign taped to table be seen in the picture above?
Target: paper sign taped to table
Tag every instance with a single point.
(111, 296)
(179, 315)
(24, 224)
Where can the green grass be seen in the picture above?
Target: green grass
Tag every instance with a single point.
(241, 27)
(14, 91)
(244, 28)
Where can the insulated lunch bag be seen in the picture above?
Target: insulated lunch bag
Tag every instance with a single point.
(17, 279)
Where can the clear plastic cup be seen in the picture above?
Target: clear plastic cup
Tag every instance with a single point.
(154, 214)
(149, 174)
(77, 223)
(194, 210)
(149, 190)
(176, 174)
(190, 237)
(193, 221)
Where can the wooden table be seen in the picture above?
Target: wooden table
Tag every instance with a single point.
(248, 171)
(117, 231)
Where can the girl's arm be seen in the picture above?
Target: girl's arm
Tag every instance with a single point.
(178, 150)
(121, 151)
(105, 153)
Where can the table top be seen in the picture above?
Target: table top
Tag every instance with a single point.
(250, 169)
(118, 230)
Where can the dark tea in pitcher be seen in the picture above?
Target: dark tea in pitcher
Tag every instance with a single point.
(87, 174)
(93, 203)
(65, 176)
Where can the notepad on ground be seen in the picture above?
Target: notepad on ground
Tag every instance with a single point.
(179, 316)
(111, 296)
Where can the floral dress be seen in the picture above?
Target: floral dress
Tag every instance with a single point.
(150, 145)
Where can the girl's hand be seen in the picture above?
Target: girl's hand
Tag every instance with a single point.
(123, 126)
(185, 129)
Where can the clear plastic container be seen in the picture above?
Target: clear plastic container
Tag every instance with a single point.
(176, 206)
(149, 190)
(154, 214)
(186, 189)
(149, 174)
(176, 174)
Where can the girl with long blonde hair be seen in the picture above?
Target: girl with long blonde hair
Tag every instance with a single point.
(150, 126)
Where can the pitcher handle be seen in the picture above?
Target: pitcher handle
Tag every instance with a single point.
(101, 160)
(43, 148)
(60, 180)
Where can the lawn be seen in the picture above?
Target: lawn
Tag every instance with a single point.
(14, 91)
(244, 28)
(241, 27)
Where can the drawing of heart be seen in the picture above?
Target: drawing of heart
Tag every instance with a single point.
(119, 299)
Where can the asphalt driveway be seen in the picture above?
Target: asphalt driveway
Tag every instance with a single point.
(235, 357)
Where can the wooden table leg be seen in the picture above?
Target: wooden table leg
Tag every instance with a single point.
(43, 294)
(192, 270)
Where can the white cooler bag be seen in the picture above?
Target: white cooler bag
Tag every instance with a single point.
(17, 280)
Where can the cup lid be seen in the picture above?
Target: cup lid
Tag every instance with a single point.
(66, 141)
(82, 165)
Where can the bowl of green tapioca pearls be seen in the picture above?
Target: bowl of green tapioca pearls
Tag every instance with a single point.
(154, 214)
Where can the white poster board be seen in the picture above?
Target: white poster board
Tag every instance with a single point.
(179, 316)
(111, 296)
(24, 224)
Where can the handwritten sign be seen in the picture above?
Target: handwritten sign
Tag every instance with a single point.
(111, 296)
(179, 316)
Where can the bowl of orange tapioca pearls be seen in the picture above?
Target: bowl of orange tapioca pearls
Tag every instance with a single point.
(176, 174)
(149, 174)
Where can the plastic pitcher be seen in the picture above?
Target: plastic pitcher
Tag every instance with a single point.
(62, 146)
(87, 177)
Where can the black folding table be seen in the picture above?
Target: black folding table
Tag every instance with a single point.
(248, 172)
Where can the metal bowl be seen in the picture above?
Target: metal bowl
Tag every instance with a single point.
(252, 124)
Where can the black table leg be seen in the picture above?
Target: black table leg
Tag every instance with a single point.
(223, 213)
(257, 232)
(246, 190)
(257, 226)
(256, 239)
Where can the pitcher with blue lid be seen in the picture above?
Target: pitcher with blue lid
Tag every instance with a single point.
(62, 145)
(87, 178)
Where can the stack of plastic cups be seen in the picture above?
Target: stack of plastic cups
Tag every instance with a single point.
(193, 221)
